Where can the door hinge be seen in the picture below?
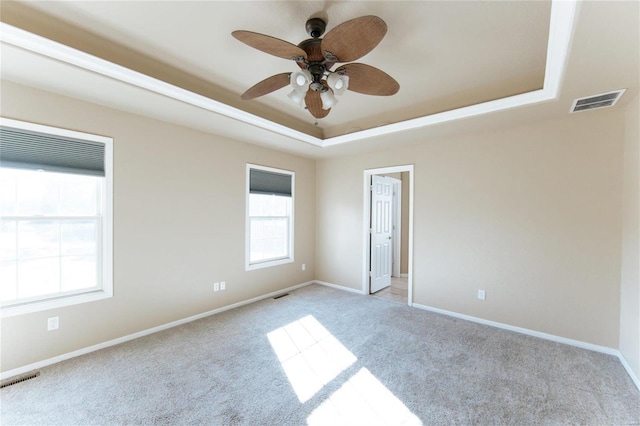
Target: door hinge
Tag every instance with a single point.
(371, 230)
(371, 188)
(370, 274)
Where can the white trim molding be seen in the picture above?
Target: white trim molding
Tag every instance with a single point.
(630, 372)
(366, 211)
(540, 335)
(340, 287)
(49, 48)
(521, 330)
(561, 28)
(44, 363)
(104, 243)
(41, 364)
(290, 255)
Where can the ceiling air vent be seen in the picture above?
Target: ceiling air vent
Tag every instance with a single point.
(598, 101)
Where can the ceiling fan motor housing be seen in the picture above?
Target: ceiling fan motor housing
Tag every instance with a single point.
(317, 71)
(315, 27)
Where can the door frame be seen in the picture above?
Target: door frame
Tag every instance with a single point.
(366, 212)
(397, 227)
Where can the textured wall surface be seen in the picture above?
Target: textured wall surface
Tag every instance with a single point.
(531, 214)
(630, 282)
(179, 225)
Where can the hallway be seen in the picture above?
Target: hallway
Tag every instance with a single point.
(396, 292)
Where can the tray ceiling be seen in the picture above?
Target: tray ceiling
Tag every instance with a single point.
(445, 55)
(462, 66)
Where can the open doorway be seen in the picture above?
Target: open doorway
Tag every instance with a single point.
(388, 232)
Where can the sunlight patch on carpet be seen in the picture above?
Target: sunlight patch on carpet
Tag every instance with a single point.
(310, 355)
(363, 400)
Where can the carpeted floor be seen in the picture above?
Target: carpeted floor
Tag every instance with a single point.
(323, 356)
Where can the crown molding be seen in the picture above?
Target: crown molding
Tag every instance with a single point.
(561, 29)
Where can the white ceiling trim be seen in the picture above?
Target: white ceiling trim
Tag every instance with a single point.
(43, 46)
(559, 41)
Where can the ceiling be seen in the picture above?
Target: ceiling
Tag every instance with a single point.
(460, 65)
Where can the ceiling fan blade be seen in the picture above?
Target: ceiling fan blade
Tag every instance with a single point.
(369, 80)
(267, 85)
(273, 46)
(314, 104)
(353, 39)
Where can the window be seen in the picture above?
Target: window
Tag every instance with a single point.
(55, 217)
(269, 216)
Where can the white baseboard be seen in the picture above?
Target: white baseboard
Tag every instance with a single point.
(339, 287)
(41, 364)
(627, 367)
(404, 275)
(546, 336)
(541, 335)
(89, 349)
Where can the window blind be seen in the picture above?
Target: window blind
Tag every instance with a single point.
(263, 182)
(25, 149)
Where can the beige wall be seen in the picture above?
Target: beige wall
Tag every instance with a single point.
(630, 280)
(179, 207)
(530, 214)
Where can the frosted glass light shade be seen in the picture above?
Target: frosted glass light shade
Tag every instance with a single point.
(297, 96)
(299, 80)
(338, 83)
(328, 100)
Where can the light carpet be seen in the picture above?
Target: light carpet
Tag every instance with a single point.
(324, 356)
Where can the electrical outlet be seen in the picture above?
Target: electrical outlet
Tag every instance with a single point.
(304, 267)
(53, 323)
(482, 294)
(216, 286)
(223, 285)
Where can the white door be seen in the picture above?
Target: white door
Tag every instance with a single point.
(381, 228)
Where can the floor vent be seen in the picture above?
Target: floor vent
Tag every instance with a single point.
(281, 296)
(19, 379)
(597, 101)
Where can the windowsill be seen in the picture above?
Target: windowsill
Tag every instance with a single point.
(43, 305)
(269, 263)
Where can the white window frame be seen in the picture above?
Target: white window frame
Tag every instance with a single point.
(105, 265)
(267, 263)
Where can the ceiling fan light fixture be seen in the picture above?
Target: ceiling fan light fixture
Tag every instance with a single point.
(339, 83)
(315, 86)
(300, 80)
(297, 97)
(328, 100)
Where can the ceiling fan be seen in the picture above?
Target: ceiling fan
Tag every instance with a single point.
(315, 84)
